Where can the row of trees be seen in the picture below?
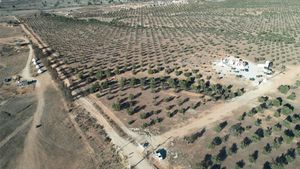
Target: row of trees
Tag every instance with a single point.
(216, 91)
(43, 57)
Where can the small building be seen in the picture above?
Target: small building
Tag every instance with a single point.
(269, 65)
(39, 71)
(243, 68)
(161, 154)
(235, 63)
(34, 60)
(37, 62)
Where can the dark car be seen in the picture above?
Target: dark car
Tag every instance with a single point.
(38, 125)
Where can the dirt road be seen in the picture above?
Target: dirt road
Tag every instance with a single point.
(135, 157)
(31, 151)
(113, 116)
(26, 71)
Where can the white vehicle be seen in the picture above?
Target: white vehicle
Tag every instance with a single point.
(40, 71)
(268, 72)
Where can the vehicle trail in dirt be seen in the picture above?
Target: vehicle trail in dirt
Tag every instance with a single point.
(135, 157)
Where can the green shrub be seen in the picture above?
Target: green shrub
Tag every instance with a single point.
(298, 83)
(187, 74)
(253, 157)
(145, 115)
(194, 136)
(277, 113)
(268, 131)
(233, 148)
(284, 89)
(267, 149)
(145, 125)
(242, 117)
(130, 111)
(263, 99)
(221, 126)
(131, 122)
(178, 73)
(255, 138)
(98, 95)
(276, 102)
(240, 164)
(277, 127)
(246, 142)
(286, 110)
(150, 71)
(169, 114)
(116, 106)
(252, 112)
(182, 110)
(298, 150)
(215, 142)
(258, 122)
(159, 119)
(237, 129)
(292, 96)
(277, 142)
(288, 135)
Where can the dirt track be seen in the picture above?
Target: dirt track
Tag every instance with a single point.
(30, 152)
(26, 71)
(15, 132)
(112, 115)
(135, 156)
